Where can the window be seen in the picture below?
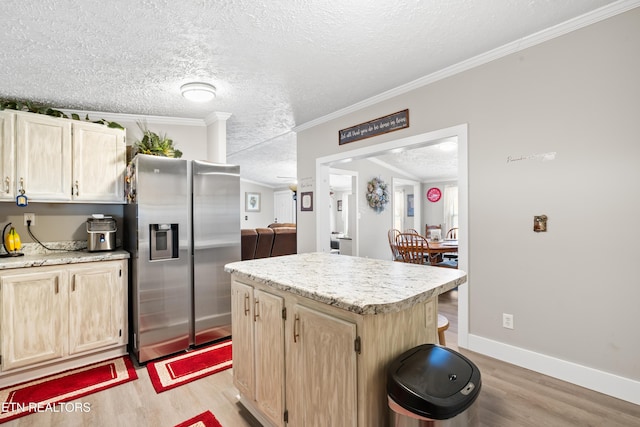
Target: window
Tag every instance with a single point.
(450, 207)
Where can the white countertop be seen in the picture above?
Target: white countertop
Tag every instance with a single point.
(359, 285)
(62, 257)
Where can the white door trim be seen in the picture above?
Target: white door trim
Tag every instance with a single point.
(460, 132)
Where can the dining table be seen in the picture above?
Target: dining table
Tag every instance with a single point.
(414, 249)
(443, 246)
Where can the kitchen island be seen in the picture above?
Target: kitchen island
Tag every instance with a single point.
(313, 333)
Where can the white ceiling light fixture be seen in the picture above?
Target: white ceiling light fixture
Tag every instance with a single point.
(198, 92)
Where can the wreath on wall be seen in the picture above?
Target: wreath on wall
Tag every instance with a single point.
(377, 194)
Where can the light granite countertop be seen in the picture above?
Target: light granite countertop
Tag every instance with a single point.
(359, 285)
(37, 259)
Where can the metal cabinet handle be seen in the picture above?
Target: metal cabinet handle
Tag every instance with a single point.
(296, 327)
(246, 304)
(77, 188)
(256, 312)
(21, 185)
(7, 183)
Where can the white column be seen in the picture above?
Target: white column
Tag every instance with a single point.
(217, 136)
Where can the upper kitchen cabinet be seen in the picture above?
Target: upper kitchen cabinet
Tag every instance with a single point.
(99, 158)
(54, 159)
(7, 159)
(43, 157)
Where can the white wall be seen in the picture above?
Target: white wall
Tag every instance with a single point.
(373, 242)
(336, 217)
(574, 305)
(191, 139)
(256, 219)
(433, 212)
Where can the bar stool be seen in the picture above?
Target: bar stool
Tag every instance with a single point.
(443, 325)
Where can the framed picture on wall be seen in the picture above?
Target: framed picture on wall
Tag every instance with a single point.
(339, 204)
(409, 204)
(252, 202)
(306, 201)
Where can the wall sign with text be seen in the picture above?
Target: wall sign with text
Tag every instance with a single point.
(390, 123)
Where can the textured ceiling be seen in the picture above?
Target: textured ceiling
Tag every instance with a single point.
(276, 64)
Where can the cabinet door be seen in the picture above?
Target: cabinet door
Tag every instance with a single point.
(322, 347)
(242, 332)
(269, 355)
(99, 162)
(7, 158)
(34, 319)
(43, 155)
(96, 306)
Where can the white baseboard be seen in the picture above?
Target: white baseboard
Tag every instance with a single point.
(593, 379)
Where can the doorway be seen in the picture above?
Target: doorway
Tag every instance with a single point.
(406, 205)
(343, 208)
(457, 133)
(284, 207)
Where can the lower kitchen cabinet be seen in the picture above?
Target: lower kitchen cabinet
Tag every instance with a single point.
(53, 314)
(96, 301)
(258, 349)
(322, 348)
(34, 313)
(300, 362)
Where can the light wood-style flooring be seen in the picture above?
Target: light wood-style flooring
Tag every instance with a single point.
(510, 397)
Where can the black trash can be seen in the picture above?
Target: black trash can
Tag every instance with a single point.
(431, 385)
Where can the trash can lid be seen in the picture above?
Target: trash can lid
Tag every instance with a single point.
(433, 381)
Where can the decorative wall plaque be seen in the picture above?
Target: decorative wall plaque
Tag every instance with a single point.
(390, 123)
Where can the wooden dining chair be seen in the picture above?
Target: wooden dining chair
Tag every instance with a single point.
(391, 235)
(428, 228)
(414, 249)
(452, 234)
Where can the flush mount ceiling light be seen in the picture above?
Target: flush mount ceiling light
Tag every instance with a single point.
(198, 92)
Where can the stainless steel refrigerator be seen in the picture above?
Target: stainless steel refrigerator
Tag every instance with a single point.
(183, 225)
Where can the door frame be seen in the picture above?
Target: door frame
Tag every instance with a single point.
(401, 182)
(460, 134)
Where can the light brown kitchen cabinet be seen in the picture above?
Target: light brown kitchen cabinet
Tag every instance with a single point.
(43, 157)
(34, 312)
(54, 159)
(99, 159)
(258, 349)
(322, 346)
(96, 301)
(334, 360)
(57, 313)
(7, 156)
(243, 344)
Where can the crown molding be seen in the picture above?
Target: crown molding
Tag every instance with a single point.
(156, 120)
(261, 184)
(542, 36)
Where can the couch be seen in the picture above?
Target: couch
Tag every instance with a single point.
(267, 242)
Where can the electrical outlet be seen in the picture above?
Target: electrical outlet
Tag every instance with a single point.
(507, 321)
(30, 217)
